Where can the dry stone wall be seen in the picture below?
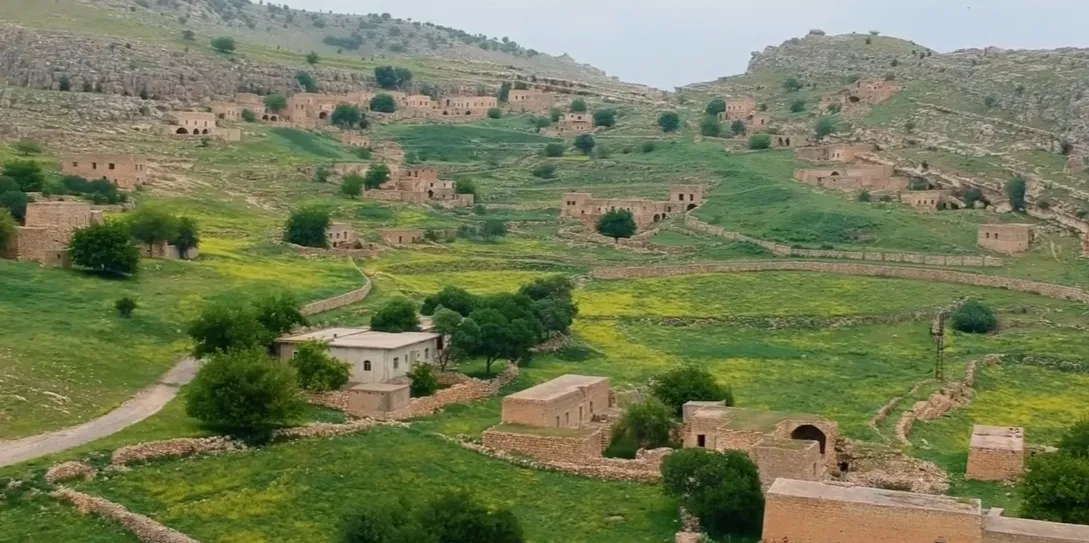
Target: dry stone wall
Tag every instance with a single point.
(545, 447)
(779, 249)
(870, 270)
(144, 528)
(329, 304)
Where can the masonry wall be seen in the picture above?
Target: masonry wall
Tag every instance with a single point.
(998, 529)
(870, 270)
(791, 519)
(994, 464)
(803, 463)
(329, 304)
(545, 447)
(564, 411)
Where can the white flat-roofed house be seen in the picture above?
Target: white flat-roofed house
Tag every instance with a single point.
(373, 357)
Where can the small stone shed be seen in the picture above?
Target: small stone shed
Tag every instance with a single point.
(371, 399)
(997, 453)
(568, 401)
(1006, 238)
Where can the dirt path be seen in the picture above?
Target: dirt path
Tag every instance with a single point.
(145, 403)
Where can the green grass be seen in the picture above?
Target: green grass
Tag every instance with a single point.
(43, 519)
(464, 143)
(302, 491)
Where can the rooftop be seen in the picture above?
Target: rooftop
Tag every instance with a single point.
(322, 335)
(362, 338)
(557, 387)
(1052, 531)
(379, 387)
(743, 419)
(582, 432)
(873, 496)
(998, 437)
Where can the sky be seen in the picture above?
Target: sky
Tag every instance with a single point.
(672, 43)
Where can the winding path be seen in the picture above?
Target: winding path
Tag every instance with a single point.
(144, 404)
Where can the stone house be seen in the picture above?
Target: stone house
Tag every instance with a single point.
(377, 399)
(568, 401)
(829, 154)
(340, 235)
(868, 92)
(791, 445)
(125, 171)
(469, 106)
(535, 100)
(47, 230)
(574, 123)
(789, 141)
(996, 453)
(1006, 238)
(853, 178)
(584, 207)
(738, 109)
(401, 236)
(420, 101)
(928, 200)
(228, 112)
(421, 185)
(193, 123)
(373, 357)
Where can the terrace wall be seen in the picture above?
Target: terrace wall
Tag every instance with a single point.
(568, 448)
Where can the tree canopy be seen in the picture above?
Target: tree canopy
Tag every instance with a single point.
(306, 81)
(1015, 191)
(578, 105)
(973, 317)
(383, 103)
(307, 227)
(150, 224)
(222, 327)
(824, 127)
(26, 173)
(688, 383)
(389, 77)
(397, 315)
(346, 116)
(585, 143)
(446, 518)
(616, 224)
(8, 230)
(716, 106)
(709, 127)
(721, 489)
(669, 121)
(352, 186)
(376, 175)
(316, 370)
(105, 248)
(223, 44)
(244, 391)
(605, 117)
(275, 103)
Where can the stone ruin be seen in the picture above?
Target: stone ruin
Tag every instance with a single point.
(584, 207)
(996, 453)
(199, 124)
(1006, 238)
(47, 230)
(573, 123)
(531, 100)
(125, 171)
(863, 93)
(339, 235)
(401, 236)
(420, 185)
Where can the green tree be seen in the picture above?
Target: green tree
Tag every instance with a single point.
(385, 523)
(307, 226)
(709, 127)
(616, 224)
(322, 174)
(605, 117)
(504, 329)
(688, 383)
(669, 121)
(716, 106)
(316, 370)
(556, 315)
(27, 173)
(306, 81)
(553, 286)
(376, 175)
(1015, 191)
(504, 93)
(971, 195)
(383, 103)
(423, 381)
(244, 392)
(8, 230)
(1075, 442)
(721, 489)
(346, 116)
(27, 147)
(578, 105)
(495, 113)
(275, 103)
(278, 313)
(187, 235)
(464, 186)
(189, 35)
(460, 518)
(312, 58)
(759, 142)
(541, 122)
(105, 248)
(492, 229)
(554, 150)
(151, 224)
(1055, 488)
(125, 305)
(446, 322)
(792, 84)
(585, 143)
(14, 202)
(974, 318)
(738, 127)
(223, 44)
(825, 127)
(352, 186)
(648, 424)
(797, 106)
(544, 171)
(450, 297)
(554, 114)
(249, 116)
(222, 327)
(389, 77)
(396, 315)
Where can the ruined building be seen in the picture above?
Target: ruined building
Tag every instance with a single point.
(200, 123)
(1006, 238)
(533, 100)
(584, 207)
(574, 123)
(340, 236)
(125, 171)
(996, 453)
(789, 445)
(853, 178)
(421, 185)
(833, 154)
(868, 92)
(738, 109)
(48, 229)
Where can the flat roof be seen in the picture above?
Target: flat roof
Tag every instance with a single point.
(382, 340)
(379, 387)
(327, 334)
(745, 419)
(998, 437)
(1053, 531)
(557, 387)
(874, 496)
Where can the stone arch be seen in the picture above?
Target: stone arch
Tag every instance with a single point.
(222, 115)
(468, 112)
(205, 131)
(657, 217)
(181, 130)
(264, 117)
(274, 118)
(810, 433)
(430, 194)
(323, 115)
(788, 142)
(835, 174)
(691, 207)
(780, 142)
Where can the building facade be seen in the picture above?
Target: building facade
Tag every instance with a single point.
(584, 207)
(372, 357)
(125, 171)
(568, 401)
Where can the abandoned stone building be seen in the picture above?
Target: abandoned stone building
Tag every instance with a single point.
(1006, 238)
(166, 251)
(868, 92)
(790, 445)
(372, 357)
(930, 200)
(813, 512)
(125, 171)
(47, 229)
(996, 453)
(470, 106)
(574, 123)
(401, 236)
(535, 100)
(377, 399)
(340, 235)
(853, 178)
(790, 141)
(307, 107)
(228, 112)
(421, 185)
(738, 109)
(833, 154)
(584, 207)
(193, 122)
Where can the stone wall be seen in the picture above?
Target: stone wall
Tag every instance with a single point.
(999, 529)
(144, 528)
(644, 468)
(870, 270)
(995, 464)
(544, 447)
(780, 249)
(329, 304)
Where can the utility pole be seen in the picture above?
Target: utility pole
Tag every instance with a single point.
(937, 331)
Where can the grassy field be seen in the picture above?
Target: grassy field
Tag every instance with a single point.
(46, 520)
(301, 491)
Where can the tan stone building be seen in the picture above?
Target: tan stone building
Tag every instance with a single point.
(574, 123)
(927, 200)
(125, 171)
(568, 401)
(401, 236)
(228, 112)
(340, 235)
(535, 100)
(790, 445)
(193, 123)
(373, 357)
(584, 207)
(853, 178)
(421, 185)
(47, 230)
(1006, 238)
(738, 109)
(996, 453)
(868, 92)
(830, 154)
(469, 106)
(377, 399)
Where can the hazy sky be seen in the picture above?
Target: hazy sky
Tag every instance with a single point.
(671, 43)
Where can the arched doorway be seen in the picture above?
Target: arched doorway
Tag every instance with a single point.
(809, 432)
(323, 115)
(691, 207)
(430, 194)
(467, 113)
(205, 131)
(657, 218)
(780, 142)
(274, 118)
(264, 117)
(181, 130)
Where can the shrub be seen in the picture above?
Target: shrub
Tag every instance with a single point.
(464, 186)
(864, 196)
(716, 106)
(1075, 442)
(316, 370)
(554, 150)
(669, 121)
(278, 313)
(397, 315)
(312, 58)
(585, 143)
(797, 106)
(424, 382)
(737, 127)
(709, 127)
(974, 318)
(383, 103)
(244, 392)
(689, 383)
(990, 101)
(221, 327)
(389, 77)
(459, 518)
(971, 196)
(352, 186)
(306, 81)
(834, 109)
(189, 35)
(759, 142)
(8, 229)
(105, 248)
(492, 229)
(27, 147)
(14, 202)
(578, 105)
(495, 113)
(223, 44)
(1056, 488)
(605, 117)
(125, 306)
(824, 127)
(1066, 147)
(721, 489)
(909, 126)
(249, 116)
(275, 103)
(307, 227)
(346, 116)
(1015, 191)
(648, 147)
(544, 171)
(616, 224)
(792, 84)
